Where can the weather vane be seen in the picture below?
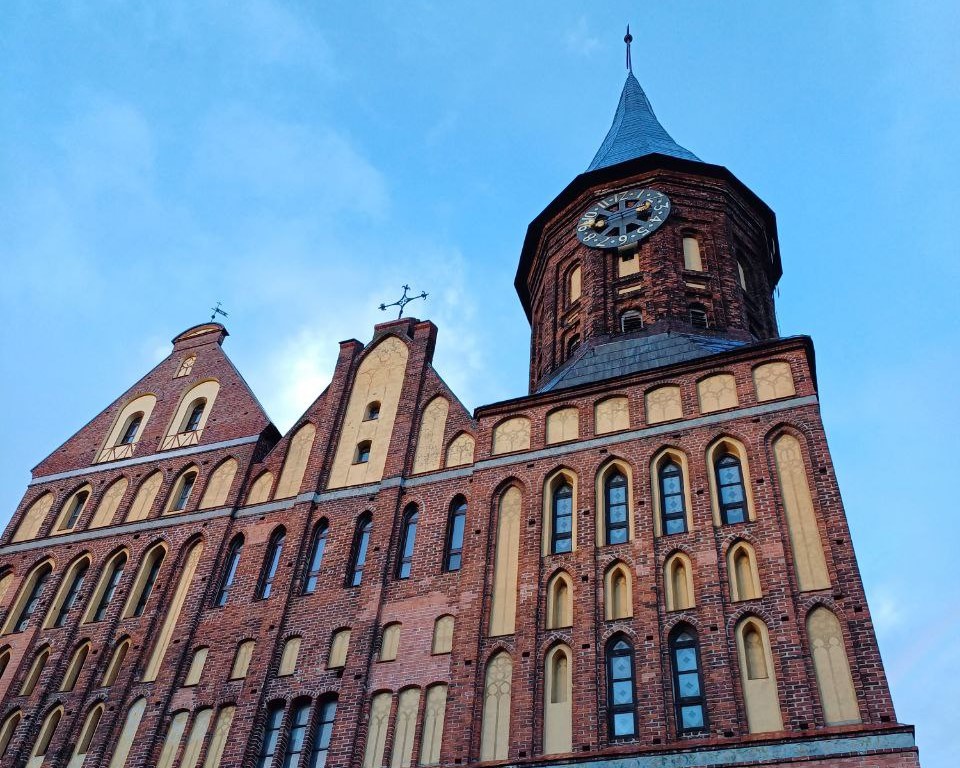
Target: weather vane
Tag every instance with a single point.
(628, 38)
(403, 301)
(217, 311)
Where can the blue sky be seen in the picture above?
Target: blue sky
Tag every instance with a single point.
(300, 164)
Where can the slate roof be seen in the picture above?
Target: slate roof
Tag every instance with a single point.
(631, 355)
(636, 131)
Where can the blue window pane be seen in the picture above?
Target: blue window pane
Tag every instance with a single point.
(454, 562)
(676, 526)
(671, 484)
(729, 475)
(620, 666)
(618, 535)
(563, 545)
(673, 504)
(731, 494)
(689, 685)
(622, 693)
(623, 724)
(686, 659)
(618, 514)
(735, 515)
(618, 494)
(564, 524)
(692, 716)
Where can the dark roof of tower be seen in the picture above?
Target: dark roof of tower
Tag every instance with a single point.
(636, 131)
(632, 355)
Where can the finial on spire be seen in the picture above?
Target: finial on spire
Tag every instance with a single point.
(628, 38)
(217, 311)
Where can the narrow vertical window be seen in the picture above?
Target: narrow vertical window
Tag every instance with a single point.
(87, 733)
(408, 537)
(317, 547)
(75, 667)
(230, 571)
(358, 557)
(631, 321)
(271, 563)
(47, 730)
(7, 730)
(116, 661)
(241, 660)
(733, 498)
(621, 697)
(322, 733)
(133, 426)
(196, 414)
(297, 734)
(561, 528)
(129, 733)
(271, 735)
(197, 664)
(77, 503)
(362, 454)
(143, 586)
(689, 700)
(70, 598)
(672, 506)
(110, 587)
(372, 412)
(36, 669)
(615, 508)
(691, 254)
(456, 523)
(40, 579)
(182, 493)
(698, 316)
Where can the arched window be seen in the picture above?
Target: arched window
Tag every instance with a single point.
(198, 731)
(5, 658)
(689, 700)
(678, 579)
(129, 435)
(742, 276)
(615, 511)
(758, 677)
(69, 591)
(182, 490)
(390, 641)
(197, 663)
(130, 726)
(229, 570)
(730, 489)
(372, 412)
(497, 693)
(241, 660)
(75, 667)
(618, 593)
(631, 321)
(503, 602)
(434, 713)
(32, 520)
(289, 657)
(297, 733)
(323, 730)
(186, 365)
(574, 284)
(116, 661)
(221, 734)
(691, 254)
(87, 733)
(192, 423)
(7, 729)
(561, 517)
(673, 511)
(408, 537)
(36, 669)
(559, 601)
(456, 522)
(838, 697)
(339, 646)
(557, 705)
(143, 584)
(443, 635)
(171, 744)
(107, 588)
(362, 454)
(271, 734)
(358, 555)
(377, 724)
(317, 547)
(698, 316)
(29, 598)
(271, 562)
(45, 736)
(742, 571)
(73, 509)
(621, 687)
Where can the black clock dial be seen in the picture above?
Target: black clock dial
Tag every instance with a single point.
(623, 218)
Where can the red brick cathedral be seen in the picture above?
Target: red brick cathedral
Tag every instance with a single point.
(642, 563)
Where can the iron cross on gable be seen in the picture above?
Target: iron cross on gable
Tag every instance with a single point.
(403, 301)
(217, 311)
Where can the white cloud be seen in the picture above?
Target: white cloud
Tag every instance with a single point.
(580, 40)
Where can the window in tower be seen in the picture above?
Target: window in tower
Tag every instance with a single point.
(229, 571)
(691, 254)
(372, 413)
(362, 453)
(698, 316)
(323, 730)
(560, 601)
(621, 687)
(87, 733)
(297, 734)
(742, 275)
(456, 522)
(9, 727)
(574, 285)
(558, 692)
(197, 662)
(615, 509)
(631, 321)
(317, 547)
(116, 662)
(678, 580)
(390, 641)
(29, 598)
(617, 593)
(241, 660)
(271, 563)
(143, 585)
(69, 591)
(689, 701)
(36, 669)
(182, 490)
(361, 540)
(192, 424)
(673, 511)
(628, 263)
(730, 490)
(47, 730)
(408, 537)
(573, 344)
(73, 509)
(133, 427)
(288, 659)
(561, 516)
(271, 734)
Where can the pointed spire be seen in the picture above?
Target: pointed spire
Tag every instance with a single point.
(635, 131)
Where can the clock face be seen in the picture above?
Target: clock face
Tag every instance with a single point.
(623, 218)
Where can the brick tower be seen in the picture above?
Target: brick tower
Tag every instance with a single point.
(644, 562)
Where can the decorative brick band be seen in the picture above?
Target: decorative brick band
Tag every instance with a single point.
(111, 465)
